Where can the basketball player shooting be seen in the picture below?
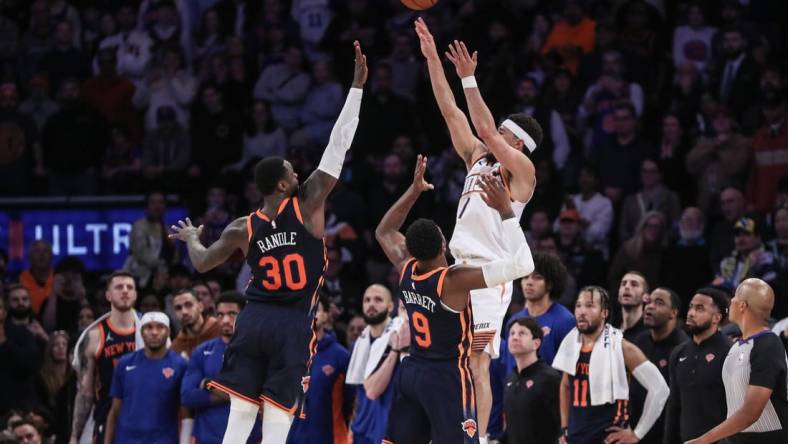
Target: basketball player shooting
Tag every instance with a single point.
(267, 360)
(477, 237)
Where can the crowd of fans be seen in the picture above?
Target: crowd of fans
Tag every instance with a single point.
(665, 151)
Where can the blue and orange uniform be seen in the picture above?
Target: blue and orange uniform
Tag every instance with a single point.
(267, 359)
(435, 401)
(588, 423)
(114, 343)
(330, 401)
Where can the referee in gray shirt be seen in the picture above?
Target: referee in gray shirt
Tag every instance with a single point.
(755, 374)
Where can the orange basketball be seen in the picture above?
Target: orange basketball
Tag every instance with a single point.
(419, 5)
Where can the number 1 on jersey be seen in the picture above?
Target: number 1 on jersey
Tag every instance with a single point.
(422, 326)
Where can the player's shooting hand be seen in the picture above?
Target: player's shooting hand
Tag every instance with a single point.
(419, 183)
(495, 195)
(463, 61)
(426, 41)
(185, 230)
(620, 435)
(360, 71)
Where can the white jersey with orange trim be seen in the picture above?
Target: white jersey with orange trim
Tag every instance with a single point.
(478, 233)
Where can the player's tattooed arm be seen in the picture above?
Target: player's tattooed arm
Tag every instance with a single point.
(387, 233)
(235, 236)
(467, 145)
(83, 403)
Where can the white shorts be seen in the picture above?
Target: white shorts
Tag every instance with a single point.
(489, 308)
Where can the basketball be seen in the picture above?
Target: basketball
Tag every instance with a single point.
(419, 5)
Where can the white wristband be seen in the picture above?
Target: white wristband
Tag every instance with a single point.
(469, 82)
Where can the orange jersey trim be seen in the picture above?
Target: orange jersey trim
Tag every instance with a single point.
(213, 385)
(404, 269)
(290, 411)
(421, 277)
(118, 331)
(440, 282)
(249, 226)
(297, 209)
(102, 338)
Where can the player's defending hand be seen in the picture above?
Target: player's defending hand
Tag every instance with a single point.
(620, 435)
(419, 183)
(495, 195)
(463, 61)
(360, 72)
(426, 41)
(185, 231)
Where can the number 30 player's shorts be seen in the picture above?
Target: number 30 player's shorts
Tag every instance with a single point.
(433, 402)
(489, 308)
(266, 360)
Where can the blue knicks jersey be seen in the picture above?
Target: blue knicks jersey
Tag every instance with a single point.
(437, 332)
(287, 262)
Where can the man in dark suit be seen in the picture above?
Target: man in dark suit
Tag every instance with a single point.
(734, 79)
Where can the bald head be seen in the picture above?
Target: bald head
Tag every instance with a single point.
(759, 297)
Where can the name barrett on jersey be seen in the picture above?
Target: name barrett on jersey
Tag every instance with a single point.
(419, 299)
(277, 240)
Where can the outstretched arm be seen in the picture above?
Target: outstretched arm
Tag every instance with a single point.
(86, 385)
(522, 169)
(387, 233)
(318, 185)
(460, 280)
(465, 143)
(234, 236)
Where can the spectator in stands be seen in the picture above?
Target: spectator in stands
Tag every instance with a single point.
(542, 289)
(405, 66)
(167, 24)
(195, 328)
(643, 251)
(211, 407)
(599, 101)
(38, 40)
(121, 163)
(686, 96)
(556, 146)
(86, 317)
(584, 263)
(778, 247)
(375, 358)
(26, 432)
(262, 137)
(136, 414)
(719, 159)
(211, 36)
(539, 226)
(769, 145)
(21, 313)
(354, 329)
(132, 45)
(749, 258)
(671, 155)
(548, 192)
(618, 161)
(111, 95)
(661, 318)
(169, 83)
(654, 196)
(284, 85)
(39, 278)
(20, 133)
(632, 294)
(206, 297)
(685, 264)
(330, 402)
(167, 150)
(214, 124)
(149, 247)
(57, 385)
(65, 60)
(39, 106)
(596, 210)
(734, 79)
(73, 171)
(573, 36)
(692, 42)
(21, 356)
(320, 108)
(733, 208)
(61, 310)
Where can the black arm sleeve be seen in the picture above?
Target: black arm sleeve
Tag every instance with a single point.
(673, 409)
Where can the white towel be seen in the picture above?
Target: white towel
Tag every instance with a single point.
(607, 374)
(367, 354)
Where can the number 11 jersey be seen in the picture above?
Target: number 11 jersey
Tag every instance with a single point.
(286, 260)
